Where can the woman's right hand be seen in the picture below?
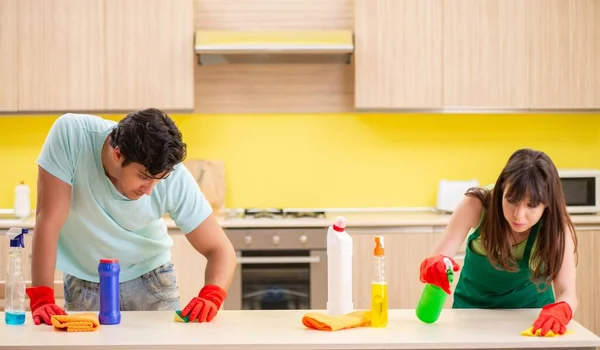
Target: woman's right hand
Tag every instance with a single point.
(433, 271)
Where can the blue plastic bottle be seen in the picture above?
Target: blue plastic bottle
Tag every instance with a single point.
(110, 303)
(14, 312)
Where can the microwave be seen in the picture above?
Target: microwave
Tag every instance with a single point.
(581, 188)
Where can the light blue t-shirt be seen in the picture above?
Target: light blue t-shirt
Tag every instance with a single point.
(103, 223)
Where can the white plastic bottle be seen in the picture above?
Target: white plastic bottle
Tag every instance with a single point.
(22, 201)
(14, 299)
(339, 269)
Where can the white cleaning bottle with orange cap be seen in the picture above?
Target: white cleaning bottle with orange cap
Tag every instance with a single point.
(339, 268)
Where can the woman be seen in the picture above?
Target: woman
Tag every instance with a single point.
(522, 245)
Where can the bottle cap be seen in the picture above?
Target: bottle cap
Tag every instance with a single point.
(379, 249)
(109, 261)
(340, 224)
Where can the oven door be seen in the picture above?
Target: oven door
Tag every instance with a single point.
(279, 280)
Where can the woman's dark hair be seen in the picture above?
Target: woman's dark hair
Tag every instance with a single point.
(151, 138)
(527, 172)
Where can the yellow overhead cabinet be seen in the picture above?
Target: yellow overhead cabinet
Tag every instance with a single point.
(103, 55)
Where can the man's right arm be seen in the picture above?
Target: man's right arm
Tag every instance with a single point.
(53, 202)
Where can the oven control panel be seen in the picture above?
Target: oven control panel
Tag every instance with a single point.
(261, 239)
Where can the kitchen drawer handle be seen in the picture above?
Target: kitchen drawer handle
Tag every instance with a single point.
(278, 260)
(29, 282)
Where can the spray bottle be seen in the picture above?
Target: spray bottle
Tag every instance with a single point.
(433, 298)
(339, 268)
(14, 311)
(379, 290)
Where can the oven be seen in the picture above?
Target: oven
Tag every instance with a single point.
(278, 269)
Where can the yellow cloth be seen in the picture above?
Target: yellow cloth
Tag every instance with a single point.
(323, 322)
(529, 333)
(84, 322)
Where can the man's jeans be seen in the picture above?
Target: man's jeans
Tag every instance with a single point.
(154, 291)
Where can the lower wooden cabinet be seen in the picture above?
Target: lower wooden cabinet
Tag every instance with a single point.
(189, 268)
(405, 248)
(405, 251)
(588, 280)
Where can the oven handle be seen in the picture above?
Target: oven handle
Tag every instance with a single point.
(278, 260)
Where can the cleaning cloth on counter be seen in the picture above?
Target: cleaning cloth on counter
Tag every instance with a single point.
(324, 322)
(84, 322)
(529, 333)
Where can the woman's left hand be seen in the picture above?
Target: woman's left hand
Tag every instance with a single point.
(553, 317)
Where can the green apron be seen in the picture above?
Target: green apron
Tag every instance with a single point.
(482, 286)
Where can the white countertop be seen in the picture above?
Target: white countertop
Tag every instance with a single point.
(354, 220)
(278, 330)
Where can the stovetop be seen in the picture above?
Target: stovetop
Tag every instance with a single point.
(280, 213)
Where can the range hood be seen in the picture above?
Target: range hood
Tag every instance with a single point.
(315, 42)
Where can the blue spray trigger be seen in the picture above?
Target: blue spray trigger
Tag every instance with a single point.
(15, 235)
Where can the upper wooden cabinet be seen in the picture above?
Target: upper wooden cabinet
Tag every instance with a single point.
(565, 54)
(61, 55)
(8, 54)
(398, 54)
(477, 54)
(149, 54)
(486, 54)
(96, 55)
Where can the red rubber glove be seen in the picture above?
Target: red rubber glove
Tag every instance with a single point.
(433, 271)
(554, 317)
(42, 304)
(205, 306)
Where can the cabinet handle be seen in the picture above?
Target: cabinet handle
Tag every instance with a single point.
(278, 260)
(29, 282)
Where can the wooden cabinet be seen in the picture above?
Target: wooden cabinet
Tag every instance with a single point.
(189, 268)
(96, 55)
(486, 54)
(398, 54)
(588, 280)
(61, 55)
(8, 54)
(404, 251)
(565, 54)
(477, 54)
(149, 54)
(188, 263)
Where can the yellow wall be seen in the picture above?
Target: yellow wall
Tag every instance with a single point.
(341, 160)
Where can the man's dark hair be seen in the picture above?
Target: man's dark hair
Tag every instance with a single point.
(151, 138)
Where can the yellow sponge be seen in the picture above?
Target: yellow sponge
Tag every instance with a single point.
(529, 333)
(178, 318)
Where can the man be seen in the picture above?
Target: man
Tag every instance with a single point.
(102, 191)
